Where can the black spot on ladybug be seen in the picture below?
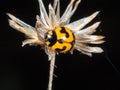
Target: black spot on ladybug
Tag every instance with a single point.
(52, 39)
(60, 50)
(63, 30)
(61, 41)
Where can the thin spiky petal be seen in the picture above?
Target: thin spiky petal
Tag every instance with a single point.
(27, 31)
(40, 28)
(56, 7)
(20, 22)
(73, 11)
(66, 13)
(75, 7)
(89, 41)
(87, 48)
(84, 52)
(52, 17)
(97, 42)
(90, 37)
(32, 42)
(79, 24)
(91, 29)
(65, 19)
(55, 4)
(43, 14)
(58, 11)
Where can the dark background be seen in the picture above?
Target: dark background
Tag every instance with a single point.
(27, 68)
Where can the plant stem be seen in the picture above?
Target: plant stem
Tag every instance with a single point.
(51, 73)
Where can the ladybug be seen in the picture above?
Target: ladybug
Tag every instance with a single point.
(60, 40)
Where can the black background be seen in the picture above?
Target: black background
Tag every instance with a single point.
(27, 68)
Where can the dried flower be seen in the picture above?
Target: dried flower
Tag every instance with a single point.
(57, 34)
